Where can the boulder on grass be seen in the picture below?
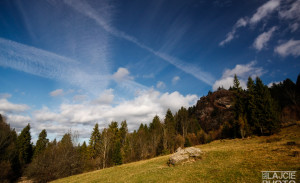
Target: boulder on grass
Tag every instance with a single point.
(185, 155)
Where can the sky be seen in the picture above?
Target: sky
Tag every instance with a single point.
(66, 65)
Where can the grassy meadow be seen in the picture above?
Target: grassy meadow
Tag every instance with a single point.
(237, 160)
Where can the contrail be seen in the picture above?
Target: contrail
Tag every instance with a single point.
(88, 11)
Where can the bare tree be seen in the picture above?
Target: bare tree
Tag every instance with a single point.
(104, 146)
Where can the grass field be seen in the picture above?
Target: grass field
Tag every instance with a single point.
(238, 160)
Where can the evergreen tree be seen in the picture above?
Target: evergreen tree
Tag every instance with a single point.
(84, 150)
(266, 112)
(236, 83)
(66, 140)
(9, 162)
(155, 125)
(160, 146)
(24, 146)
(298, 92)
(156, 133)
(170, 128)
(251, 106)
(123, 131)
(194, 125)
(94, 143)
(117, 156)
(41, 143)
(239, 124)
(182, 121)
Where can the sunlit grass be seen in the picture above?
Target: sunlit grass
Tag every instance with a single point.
(238, 160)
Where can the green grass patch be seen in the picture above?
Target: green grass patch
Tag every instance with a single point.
(237, 160)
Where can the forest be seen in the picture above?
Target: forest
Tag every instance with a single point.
(256, 110)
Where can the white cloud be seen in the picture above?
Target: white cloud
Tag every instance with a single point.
(175, 80)
(5, 95)
(294, 27)
(106, 97)
(175, 100)
(14, 113)
(122, 74)
(242, 22)
(58, 92)
(291, 12)
(18, 121)
(262, 12)
(291, 47)
(242, 71)
(8, 107)
(140, 109)
(126, 81)
(265, 10)
(262, 40)
(79, 98)
(160, 85)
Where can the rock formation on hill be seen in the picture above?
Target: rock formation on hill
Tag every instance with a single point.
(215, 109)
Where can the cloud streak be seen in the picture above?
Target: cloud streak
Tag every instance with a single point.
(262, 40)
(8, 107)
(291, 47)
(261, 13)
(88, 11)
(242, 22)
(264, 10)
(50, 65)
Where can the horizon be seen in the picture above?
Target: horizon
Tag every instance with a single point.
(70, 64)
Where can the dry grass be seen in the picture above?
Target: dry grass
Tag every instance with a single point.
(238, 160)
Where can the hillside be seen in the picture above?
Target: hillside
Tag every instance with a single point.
(237, 160)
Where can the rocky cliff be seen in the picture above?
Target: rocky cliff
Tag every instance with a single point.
(215, 109)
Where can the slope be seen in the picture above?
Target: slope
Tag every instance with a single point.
(236, 160)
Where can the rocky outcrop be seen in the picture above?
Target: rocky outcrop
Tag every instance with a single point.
(215, 109)
(185, 155)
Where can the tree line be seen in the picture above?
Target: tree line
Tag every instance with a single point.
(256, 111)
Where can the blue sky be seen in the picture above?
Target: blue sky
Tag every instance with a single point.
(66, 65)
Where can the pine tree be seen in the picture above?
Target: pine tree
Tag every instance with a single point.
(170, 128)
(24, 146)
(9, 162)
(117, 156)
(84, 150)
(236, 83)
(251, 106)
(182, 121)
(41, 143)
(239, 124)
(123, 131)
(94, 143)
(66, 140)
(160, 146)
(266, 112)
(156, 132)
